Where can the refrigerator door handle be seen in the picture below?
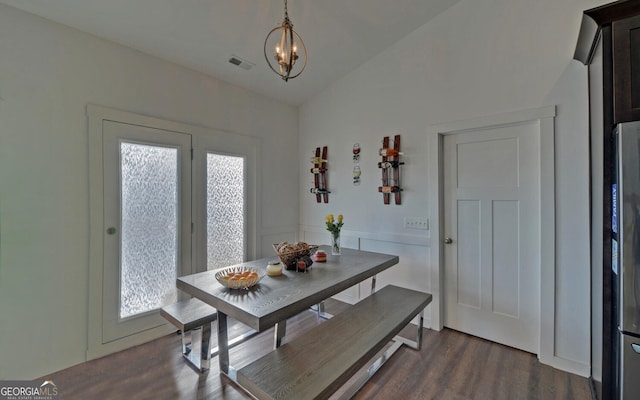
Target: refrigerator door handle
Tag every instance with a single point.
(635, 347)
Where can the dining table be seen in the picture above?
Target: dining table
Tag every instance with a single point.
(274, 299)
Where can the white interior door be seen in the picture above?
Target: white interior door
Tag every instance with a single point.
(492, 218)
(147, 215)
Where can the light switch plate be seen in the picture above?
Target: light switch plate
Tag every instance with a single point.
(416, 223)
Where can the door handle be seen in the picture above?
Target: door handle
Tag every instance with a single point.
(448, 240)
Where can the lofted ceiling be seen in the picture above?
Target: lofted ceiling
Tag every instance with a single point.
(202, 35)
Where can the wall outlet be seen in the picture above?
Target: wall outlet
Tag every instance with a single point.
(416, 223)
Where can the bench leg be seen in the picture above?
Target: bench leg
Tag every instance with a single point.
(205, 348)
(186, 344)
(201, 361)
(420, 324)
(417, 344)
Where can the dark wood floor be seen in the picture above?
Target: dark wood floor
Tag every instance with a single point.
(451, 365)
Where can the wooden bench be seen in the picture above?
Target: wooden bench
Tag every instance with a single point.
(317, 364)
(187, 316)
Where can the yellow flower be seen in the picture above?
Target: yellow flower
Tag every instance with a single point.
(340, 217)
(329, 218)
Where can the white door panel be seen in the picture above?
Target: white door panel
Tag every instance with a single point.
(492, 214)
(481, 164)
(468, 275)
(505, 253)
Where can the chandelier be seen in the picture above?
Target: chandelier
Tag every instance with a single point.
(285, 46)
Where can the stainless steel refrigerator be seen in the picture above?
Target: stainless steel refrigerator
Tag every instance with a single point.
(626, 259)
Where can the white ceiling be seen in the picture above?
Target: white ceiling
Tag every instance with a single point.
(339, 35)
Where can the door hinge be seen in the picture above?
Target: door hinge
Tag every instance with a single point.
(192, 154)
(192, 229)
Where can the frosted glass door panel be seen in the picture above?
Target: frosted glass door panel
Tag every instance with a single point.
(149, 201)
(225, 210)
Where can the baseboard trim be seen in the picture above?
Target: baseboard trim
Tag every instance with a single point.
(571, 366)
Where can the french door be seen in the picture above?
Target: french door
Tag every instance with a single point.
(147, 213)
(167, 199)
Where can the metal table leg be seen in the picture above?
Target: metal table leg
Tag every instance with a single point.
(236, 341)
(319, 308)
(280, 331)
(223, 343)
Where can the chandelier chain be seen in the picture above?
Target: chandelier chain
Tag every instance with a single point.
(286, 15)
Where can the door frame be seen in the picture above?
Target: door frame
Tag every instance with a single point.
(544, 117)
(96, 115)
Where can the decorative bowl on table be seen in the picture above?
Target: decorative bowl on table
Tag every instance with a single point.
(290, 253)
(239, 277)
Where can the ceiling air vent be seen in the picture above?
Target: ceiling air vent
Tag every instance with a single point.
(244, 64)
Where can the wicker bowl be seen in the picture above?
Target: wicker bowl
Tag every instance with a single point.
(290, 258)
(242, 282)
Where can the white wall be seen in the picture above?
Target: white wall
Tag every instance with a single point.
(478, 58)
(48, 74)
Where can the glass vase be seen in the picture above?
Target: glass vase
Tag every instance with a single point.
(335, 244)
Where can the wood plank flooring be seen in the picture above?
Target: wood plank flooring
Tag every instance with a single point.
(451, 365)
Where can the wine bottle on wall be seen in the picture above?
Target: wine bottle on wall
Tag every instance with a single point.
(387, 152)
(389, 164)
(318, 160)
(389, 189)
